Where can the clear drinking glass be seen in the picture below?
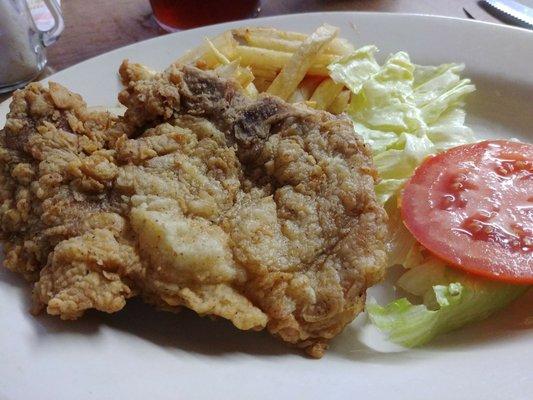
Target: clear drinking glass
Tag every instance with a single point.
(22, 54)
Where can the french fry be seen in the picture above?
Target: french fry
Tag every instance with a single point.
(262, 58)
(297, 96)
(269, 38)
(251, 90)
(340, 46)
(246, 76)
(224, 43)
(257, 58)
(340, 103)
(266, 59)
(305, 89)
(325, 93)
(233, 70)
(268, 74)
(269, 32)
(191, 56)
(228, 71)
(319, 69)
(266, 42)
(295, 69)
(221, 58)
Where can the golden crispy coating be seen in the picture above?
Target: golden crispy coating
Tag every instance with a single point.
(259, 212)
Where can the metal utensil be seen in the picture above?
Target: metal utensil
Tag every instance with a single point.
(514, 9)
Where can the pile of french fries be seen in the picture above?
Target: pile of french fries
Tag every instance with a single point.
(290, 65)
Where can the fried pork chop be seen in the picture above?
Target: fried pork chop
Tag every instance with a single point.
(256, 211)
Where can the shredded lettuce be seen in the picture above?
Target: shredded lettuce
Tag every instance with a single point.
(448, 300)
(356, 68)
(444, 298)
(406, 112)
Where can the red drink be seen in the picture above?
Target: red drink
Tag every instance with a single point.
(184, 14)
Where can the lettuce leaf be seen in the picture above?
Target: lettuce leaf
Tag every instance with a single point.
(407, 112)
(355, 68)
(448, 300)
(442, 298)
(404, 111)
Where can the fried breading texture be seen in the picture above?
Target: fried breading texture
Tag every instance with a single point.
(259, 212)
(57, 219)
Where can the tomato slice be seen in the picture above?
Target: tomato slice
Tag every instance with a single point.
(472, 206)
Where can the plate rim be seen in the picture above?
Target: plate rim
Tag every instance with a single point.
(400, 394)
(255, 21)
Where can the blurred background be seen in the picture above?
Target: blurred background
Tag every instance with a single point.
(102, 25)
(95, 27)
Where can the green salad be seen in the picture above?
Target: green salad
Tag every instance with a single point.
(406, 112)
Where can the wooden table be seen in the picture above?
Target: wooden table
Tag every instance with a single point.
(105, 25)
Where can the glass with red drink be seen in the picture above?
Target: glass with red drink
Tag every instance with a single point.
(174, 15)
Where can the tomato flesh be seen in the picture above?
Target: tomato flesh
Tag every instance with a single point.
(472, 206)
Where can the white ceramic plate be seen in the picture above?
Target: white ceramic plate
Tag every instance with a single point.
(142, 354)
